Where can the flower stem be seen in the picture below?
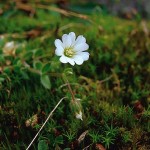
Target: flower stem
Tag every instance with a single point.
(70, 89)
(50, 114)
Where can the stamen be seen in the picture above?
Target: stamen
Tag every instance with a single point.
(69, 52)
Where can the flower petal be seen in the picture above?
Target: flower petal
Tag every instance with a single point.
(63, 59)
(80, 39)
(71, 61)
(84, 55)
(58, 44)
(73, 37)
(66, 40)
(59, 52)
(81, 47)
(78, 60)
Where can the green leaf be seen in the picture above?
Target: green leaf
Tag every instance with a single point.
(37, 65)
(2, 59)
(42, 145)
(17, 62)
(46, 68)
(19, 50)
(59, 140)
(45, 81)
(2, 79)
(7, 70)
(38, 52)
(17, 69)
(24, 74)
(28, 55)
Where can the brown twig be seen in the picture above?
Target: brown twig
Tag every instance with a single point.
(64, 12)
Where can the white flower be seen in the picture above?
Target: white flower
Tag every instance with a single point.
(9, 48)
(79, 115)
(72, 50)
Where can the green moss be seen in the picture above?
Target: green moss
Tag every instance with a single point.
(113, 84)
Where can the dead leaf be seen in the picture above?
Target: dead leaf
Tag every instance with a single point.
(56, 132)
(100, 147)
(138, 106)
(8, 62)
(87, 147)
(145, 28)
(25, 7)
(1, 69)
(32, 121)
(129, 14)
(1, 11)
(33, 33)
(73, 145)
(82, 136)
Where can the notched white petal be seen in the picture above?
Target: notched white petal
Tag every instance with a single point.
(63, 59)
(66, 40)
(64, 37)
(78, 60)
(59, 52)
(80, 39)
(81, 47)
(73, 37)
(58, 44)
(84, 55)
(71, 61)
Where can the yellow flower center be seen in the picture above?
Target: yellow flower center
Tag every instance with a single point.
(69, 52)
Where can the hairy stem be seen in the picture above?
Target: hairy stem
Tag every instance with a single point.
(70, 90)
